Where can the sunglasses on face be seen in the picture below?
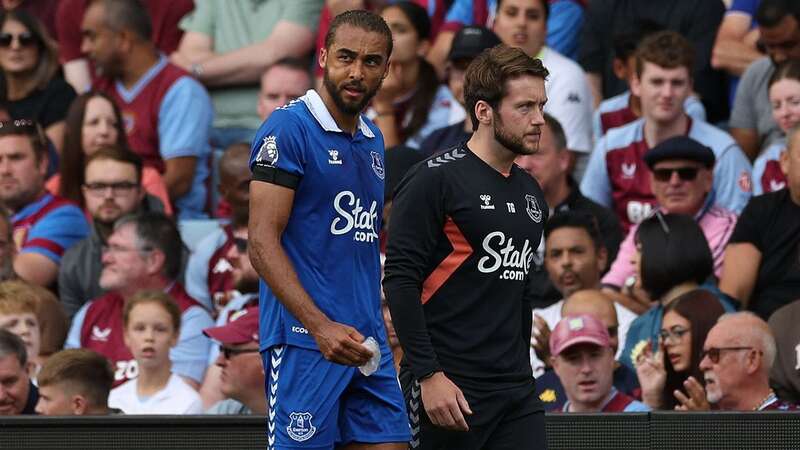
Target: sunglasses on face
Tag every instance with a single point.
(24, 39)
(241, 244)
(714, 353)
(684, 173)
(231, 352)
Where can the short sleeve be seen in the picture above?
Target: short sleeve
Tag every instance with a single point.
(743, 114)
(749, 226)
(595, 183)
(56, 232)
(190, 356)
(277, 154)
(733, 179)
(201, 20)
(184, 120)
(302, 12)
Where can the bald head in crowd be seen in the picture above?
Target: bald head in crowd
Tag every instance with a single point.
(738, 354)
(234, 181)
(593, 302)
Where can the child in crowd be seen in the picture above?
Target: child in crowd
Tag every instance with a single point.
(152, 323)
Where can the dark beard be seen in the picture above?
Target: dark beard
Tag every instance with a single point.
(512, 143)
(347, 108)
(247, 286)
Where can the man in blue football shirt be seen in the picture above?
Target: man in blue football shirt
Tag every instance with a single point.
(315, 204)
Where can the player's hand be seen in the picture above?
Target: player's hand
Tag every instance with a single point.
(696, 401)
(444, 402)
(541, 332)
(341, 344)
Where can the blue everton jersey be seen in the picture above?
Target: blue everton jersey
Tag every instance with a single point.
(332, 233)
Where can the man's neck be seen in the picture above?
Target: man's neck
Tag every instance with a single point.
(256, 402)
(635, 104)
(22, 205)
(655, 133)
(486, 147)
(103, 229)
(557, 194)
(137, 64)
(597, 406)
(794, 196)
(750, 399)
(153, 283)
(347, 122)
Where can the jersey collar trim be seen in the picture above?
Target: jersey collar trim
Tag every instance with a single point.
(320, 112)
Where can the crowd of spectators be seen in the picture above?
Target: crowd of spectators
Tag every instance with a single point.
(668, 276)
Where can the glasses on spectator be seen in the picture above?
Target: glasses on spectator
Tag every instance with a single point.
(120, 249)
(241, 244)
(231, 352)
(120, 188)
(714, 353)
(24, 39)
(684, 173)
(675, 334)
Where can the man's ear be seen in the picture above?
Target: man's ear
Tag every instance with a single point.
(323, 57)
(636, 85)
(484, 112)
(79, 405)
(602, 258)
(155, 261)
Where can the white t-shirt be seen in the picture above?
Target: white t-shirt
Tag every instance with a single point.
(552, 315)
(569, 99)
(177, 397)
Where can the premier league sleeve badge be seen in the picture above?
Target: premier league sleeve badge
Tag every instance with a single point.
(268, 152)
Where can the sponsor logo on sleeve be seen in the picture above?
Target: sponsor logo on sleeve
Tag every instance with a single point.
(268, 152)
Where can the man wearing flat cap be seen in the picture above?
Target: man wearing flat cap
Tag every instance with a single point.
(682, 179)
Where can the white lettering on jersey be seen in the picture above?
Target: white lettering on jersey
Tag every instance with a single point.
(300, 330)
(126, 370)
(518, 262)
(638, 211)
(364, 222)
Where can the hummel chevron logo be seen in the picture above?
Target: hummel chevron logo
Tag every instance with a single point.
(445, 158)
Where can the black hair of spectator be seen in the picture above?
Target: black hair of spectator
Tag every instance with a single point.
(47, 63)
(73, 157)
(701, 309)
(789, 69)
(29, 129)
(11, 344)
(399, 160)
(156, 231)
(545, 6)
(130, 15)
(81, 368)
(415, 14)
(427, 80)
(559, 137)
(575, 219)
(770, 13)
(626, 40)
(674, 250)
(120, 154)
(364, 20)
(487, 76)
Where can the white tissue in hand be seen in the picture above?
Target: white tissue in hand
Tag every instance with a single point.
(372, 365)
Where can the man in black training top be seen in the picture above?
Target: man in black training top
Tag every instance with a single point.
(464, 228)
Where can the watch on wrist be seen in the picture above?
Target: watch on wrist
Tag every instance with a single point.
(196, 70)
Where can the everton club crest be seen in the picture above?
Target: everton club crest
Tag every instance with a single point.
(377, 165)
(532, 206)
(268, 153)
(300, 428)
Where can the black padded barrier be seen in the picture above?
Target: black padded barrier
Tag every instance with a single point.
(632, 431)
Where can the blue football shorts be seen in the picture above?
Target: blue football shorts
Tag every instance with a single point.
(313, 403)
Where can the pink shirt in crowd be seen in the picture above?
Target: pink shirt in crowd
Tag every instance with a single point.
(717, 224)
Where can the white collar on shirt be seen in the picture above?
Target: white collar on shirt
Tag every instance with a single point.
(320, 112)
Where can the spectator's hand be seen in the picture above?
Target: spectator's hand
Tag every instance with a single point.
(652, 374)
(341, 344)
(444, 402)
(337, 7)
(391, 88)
(541, 334)
(696, 401)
